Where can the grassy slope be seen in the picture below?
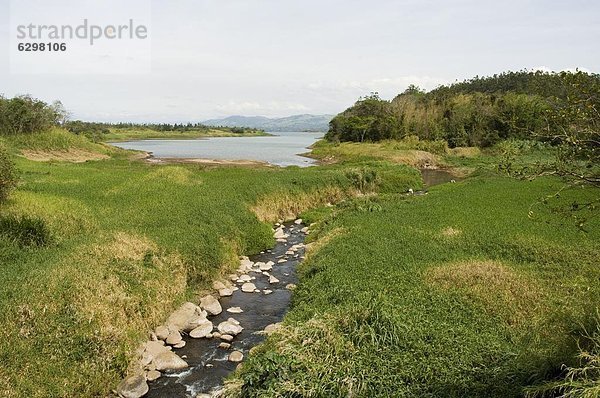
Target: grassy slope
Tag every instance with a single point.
(117, 135)
(129, 242)
(457, 293)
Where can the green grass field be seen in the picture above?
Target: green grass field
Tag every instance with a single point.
(453, 294)
(96, 254)
(130, 134)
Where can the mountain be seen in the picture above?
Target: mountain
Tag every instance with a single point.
(289, 123)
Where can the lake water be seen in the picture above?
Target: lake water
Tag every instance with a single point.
(281, 149)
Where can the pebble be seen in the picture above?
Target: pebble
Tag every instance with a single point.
(225, 292)
(267, 291)
(290, 286)
(225, 346)
(298, 221)
(235, 310)
(248, 287)
(283, 260)
(272, 279)
(153, 375)
(227, 337)
(181, 344)
(236, 356)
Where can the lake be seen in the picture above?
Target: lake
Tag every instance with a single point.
(281, 149)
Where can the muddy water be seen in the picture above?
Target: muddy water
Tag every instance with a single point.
(208, 363)
(433, 177)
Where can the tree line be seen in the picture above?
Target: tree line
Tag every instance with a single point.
(477, 112)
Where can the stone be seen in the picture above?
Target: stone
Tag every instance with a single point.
(281, 240)
(218, 285)
(248, 287)
(225, 346)
(174, 338)
(272, 279)
(179, 319)
(203, 330)
(245, 263)
(272, 328)
(169, 361)
(283, 260)
(236, 356)
(211, 305)
(154, 348)
(267, 291)
(229, 328)
(271, 263)
(298, 221)
(133, 387)
(244, 278)
(280, 234)
(152, 375)
(234, 321)
(233, 277)
(181, 344)
(304, 230)
(289, 252)
(290, 286)
(162, 332)
(235, 310)
(225, 292)
(216, 335)
(266, 266)
(227, 337)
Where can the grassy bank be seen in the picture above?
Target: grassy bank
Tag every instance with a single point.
(130, 134)
(95, 254)
(456, 293)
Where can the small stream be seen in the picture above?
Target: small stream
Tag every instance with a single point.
(209, 364)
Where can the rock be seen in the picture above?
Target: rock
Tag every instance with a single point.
(174, 338)
(154, 348)
(271, 263)
(153, 375)
(153, 336)
(211, 305)
(204, 395)
(272, 279)
(265, 273)
(266, 266)
(283, 260)
(304, 230)
(234, 321)
(133, 387)
(245, 263)
(236, 356)
(290, 286)
(169, 361)
(179, 319)
(225, 346)
(248, 287)
(162, 332)
(181, 344)
(202, 330)
(244, 278)
(271, 328)
(225, 292)
(267, 291)
(218, 285)
(281, 240)
(235, 310)
(280, 234)
(230, 328)
(298, 221)
(227, 337)
(233, 277)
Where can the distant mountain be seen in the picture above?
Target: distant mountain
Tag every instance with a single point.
(290, 123)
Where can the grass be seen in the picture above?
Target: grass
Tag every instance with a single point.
(456, 293)
(93, 255)
(130, 134)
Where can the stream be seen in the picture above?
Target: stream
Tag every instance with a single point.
(209, 364)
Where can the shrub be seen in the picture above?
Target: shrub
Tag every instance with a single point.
(8, 175)
(364, 179)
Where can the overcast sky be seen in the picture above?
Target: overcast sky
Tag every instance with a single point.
(212, 58)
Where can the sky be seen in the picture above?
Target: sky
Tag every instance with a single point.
(212, 58)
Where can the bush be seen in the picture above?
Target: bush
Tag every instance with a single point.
(8, 175)
(25, 230)
(27, 115)
(364, 179)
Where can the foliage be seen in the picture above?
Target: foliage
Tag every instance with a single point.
(8, 176)
(27, 115)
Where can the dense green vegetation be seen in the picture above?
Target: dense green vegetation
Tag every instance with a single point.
(478, 112)
(94, 255)
(453, 294)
